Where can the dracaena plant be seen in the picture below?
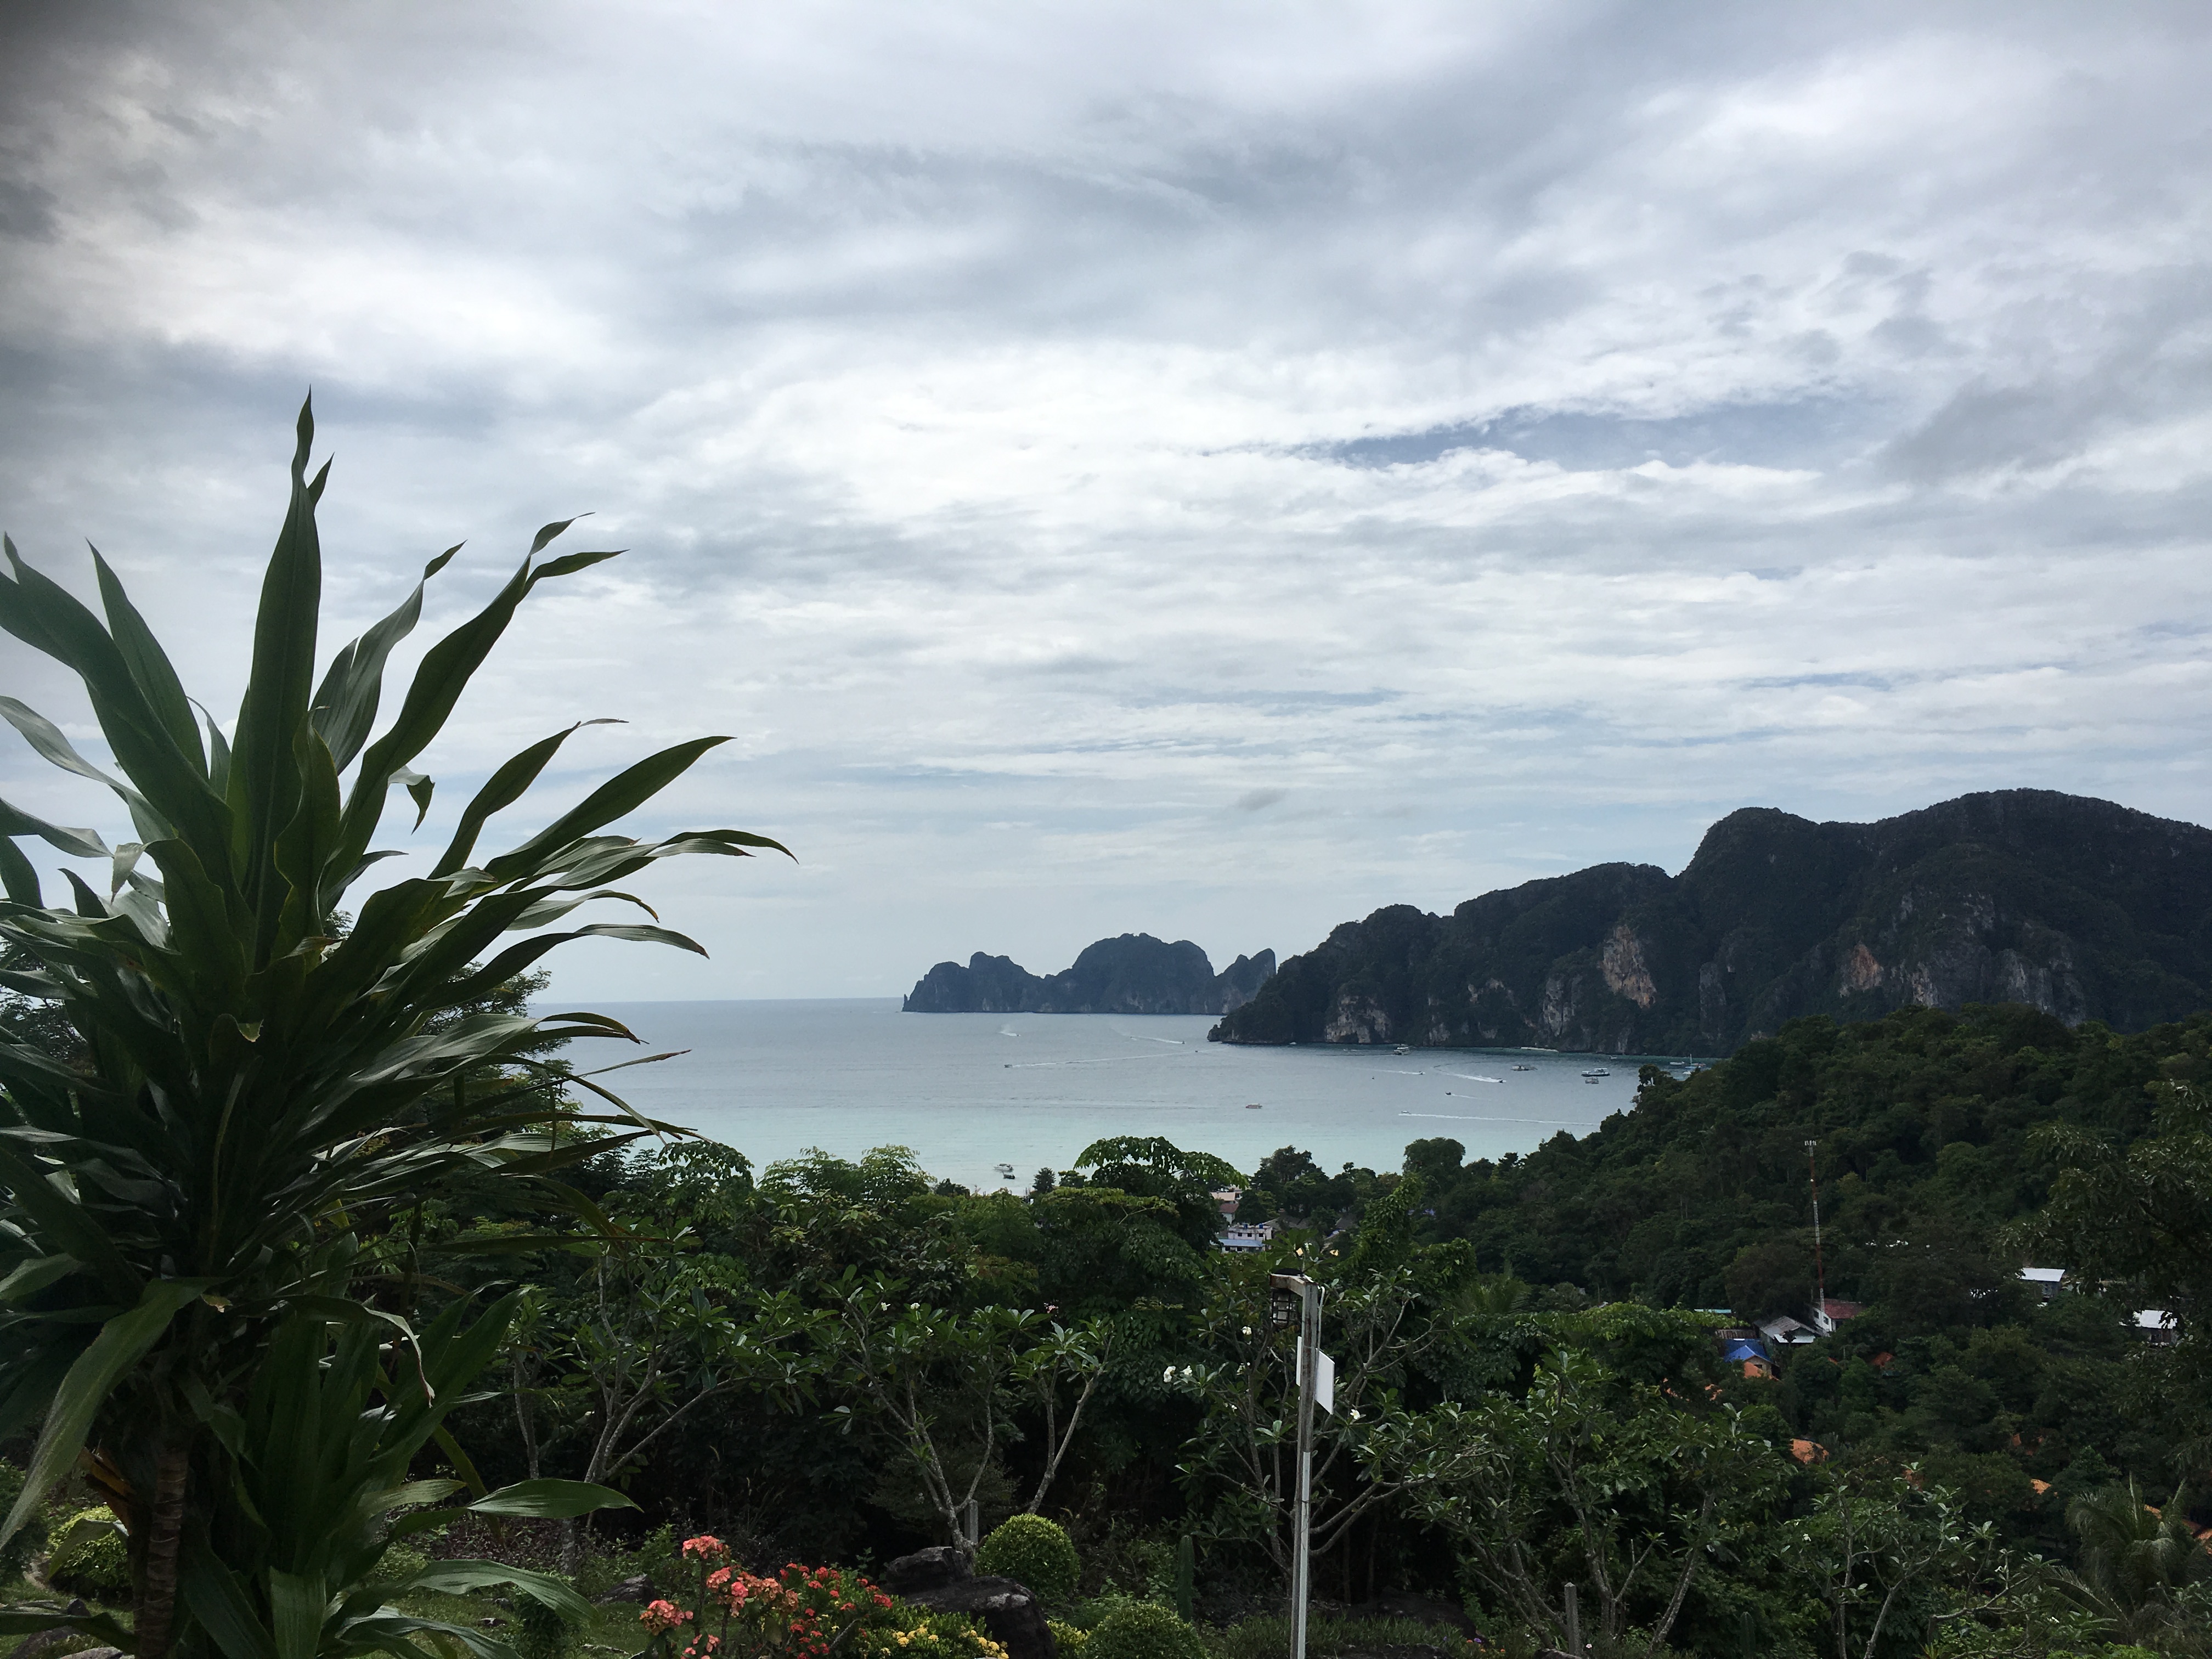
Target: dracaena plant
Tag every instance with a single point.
(250, 1086)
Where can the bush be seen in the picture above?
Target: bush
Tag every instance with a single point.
(100, 1570)
(16, 1554)
(1036, 1553)
(540, 1633)
(1070, 1639)
(1143, 1630)
(912, 1632)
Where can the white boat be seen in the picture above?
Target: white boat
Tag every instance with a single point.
(1251, 1105)
(1401, 1049)
(1595, 1072)
(1522, 1066)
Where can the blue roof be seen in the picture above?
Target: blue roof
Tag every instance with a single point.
(1746, 1347)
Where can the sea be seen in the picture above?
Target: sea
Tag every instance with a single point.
(971, 1093)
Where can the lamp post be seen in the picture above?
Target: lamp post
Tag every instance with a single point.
(1307, 1296)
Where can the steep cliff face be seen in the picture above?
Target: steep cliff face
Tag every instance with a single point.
(1136, 973)
(2078, 907)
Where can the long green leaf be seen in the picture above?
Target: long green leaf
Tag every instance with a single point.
(150, 665)
(221, 1604)
(440, 679)
(43, 735)
(550, 1500)
(625, 792)
(308, 845)
(503, 789)
(17, 876)
(77, 843)
(36, 1275)
(297, 1604)
(167, 788)
(265, 782)
(123, 1340)
(459, 1577)
(345, 703)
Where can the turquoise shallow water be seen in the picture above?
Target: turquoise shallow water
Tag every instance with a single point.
(967, 1092)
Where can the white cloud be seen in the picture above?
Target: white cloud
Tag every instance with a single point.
(1475, 440)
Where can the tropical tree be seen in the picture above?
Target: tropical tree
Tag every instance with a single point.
(243, 1094)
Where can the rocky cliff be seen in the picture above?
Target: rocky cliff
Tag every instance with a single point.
(2083, 909)
(1136, 973)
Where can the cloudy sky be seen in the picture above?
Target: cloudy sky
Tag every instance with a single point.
(1208, 470)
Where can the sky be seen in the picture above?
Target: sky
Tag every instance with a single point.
(1207, 469)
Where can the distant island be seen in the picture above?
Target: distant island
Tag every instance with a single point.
(2084, 910)
(1136, 973)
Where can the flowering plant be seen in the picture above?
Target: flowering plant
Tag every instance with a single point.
(802, 1613)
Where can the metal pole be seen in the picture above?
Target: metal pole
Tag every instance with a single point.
(1301, 1567)
(1819, 1273)
(1574, 1623)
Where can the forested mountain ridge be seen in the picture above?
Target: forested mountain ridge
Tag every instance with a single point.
(1934, 1135)
(1134, 974)
(2081, 908)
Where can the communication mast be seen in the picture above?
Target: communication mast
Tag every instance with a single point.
(1819, 1273)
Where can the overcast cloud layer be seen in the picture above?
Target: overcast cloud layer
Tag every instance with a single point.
(1204, 470)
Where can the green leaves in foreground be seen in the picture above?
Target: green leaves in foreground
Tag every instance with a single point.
(240, 1091)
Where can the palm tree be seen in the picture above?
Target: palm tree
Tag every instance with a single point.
(2134, 1558)
(238, 1094)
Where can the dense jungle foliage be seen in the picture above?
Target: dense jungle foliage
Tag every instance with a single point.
(828, 1357)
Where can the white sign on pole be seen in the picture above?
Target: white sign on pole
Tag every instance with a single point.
(1324, 1381)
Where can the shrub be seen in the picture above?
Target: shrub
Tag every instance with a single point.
(1143, 1630)
(912, 1632)
(31, 1539)
(802, 1613)
(99, 1568)
(541, 1632)
(1036, 1553)
(1071, 1639)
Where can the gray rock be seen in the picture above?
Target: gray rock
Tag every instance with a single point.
(637, 1590)
(1006, 1608)
(925, 1569)
(38, 1642)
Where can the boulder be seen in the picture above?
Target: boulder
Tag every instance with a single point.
(31, 1646)
(637, 1590)
(925, 1569)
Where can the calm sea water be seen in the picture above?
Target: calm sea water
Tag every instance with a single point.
(969, 1091)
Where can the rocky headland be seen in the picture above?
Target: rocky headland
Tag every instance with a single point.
(1136, 973)
(2085, 910)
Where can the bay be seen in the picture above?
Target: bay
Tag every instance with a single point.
(969, 1091)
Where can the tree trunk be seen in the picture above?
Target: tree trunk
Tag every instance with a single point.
(154, 1615)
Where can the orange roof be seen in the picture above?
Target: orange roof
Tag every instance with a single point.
(1809, 1451)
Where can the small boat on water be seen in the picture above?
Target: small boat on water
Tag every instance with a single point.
(1251, 1105)
(1005, 1171)
(1522, 1066)
(1402, 1049)
(1592, 1081)
(1595, 1072)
